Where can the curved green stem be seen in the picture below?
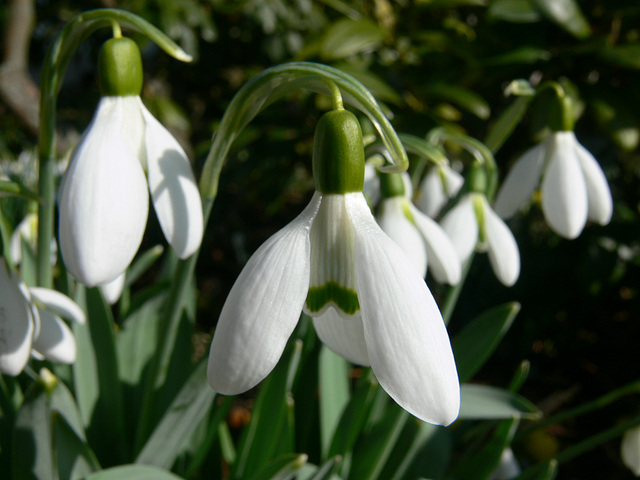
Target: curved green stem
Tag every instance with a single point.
(276, 82)
(53, 70)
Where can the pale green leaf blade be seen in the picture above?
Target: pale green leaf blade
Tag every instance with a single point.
(132, 472)
(480, 402)
(566, 14)
(348, 37)
(334, 394)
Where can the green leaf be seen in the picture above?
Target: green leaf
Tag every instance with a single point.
(74, 457)
(627, 56)
(475, 343)
(32, 437)
(378, 87)
(270, 419)
(479, 464)
(324, 472)
(522, 55)
(506, 123)
(566, 14)
(96, 380)
(334, 394)
(132, 472)
(283, 467)
(411, 445)
(354, 416)
(348, 37)
(460, 96)
(480, 402)
(514, 11)
(185, 414)
(374, 448)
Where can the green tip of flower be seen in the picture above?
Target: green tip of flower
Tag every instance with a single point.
(181, 55)
(120, 68)
(338, 153)
(561, 113)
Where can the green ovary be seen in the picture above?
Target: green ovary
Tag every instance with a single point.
(343, 298)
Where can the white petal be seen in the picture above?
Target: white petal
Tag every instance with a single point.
(436, 188)
(26, 229)
(173, 188)
(461, 226)
(564, 194)
(55, 342)
(503, 249)
(406, 338)
(262, 308)
(444, 263)
(16, 325)
(103, 198)
(112, 290)
(393, 221)
(630, 450)
(59, 304)
(345, 336)
(521, 181)
(600, 203)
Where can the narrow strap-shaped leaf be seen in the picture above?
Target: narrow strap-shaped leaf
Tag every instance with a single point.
(74, 457)
(476, 341)
(479, 464)
(96, 380)
(132, 472)
(334, 394)
(506, 123)
(374, 449)
(485, 402)
(283, 467)
(269, 417)
(185, 414)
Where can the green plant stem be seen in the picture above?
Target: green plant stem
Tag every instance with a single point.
(451, 298)
(598, 403)
(167, 329)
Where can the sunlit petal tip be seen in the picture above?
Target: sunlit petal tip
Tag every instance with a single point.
(16, 325)
(431, 195)
(521, 181)
(394, 222)
(262, 308)
(461, 226)
(173, 188)
(103, 199)
(444, 263)
(405, 335)
(598, 191)
(56, 341)
(344, 336)
(504, 255)
(111, 291)
(58, 303)
(564, 193)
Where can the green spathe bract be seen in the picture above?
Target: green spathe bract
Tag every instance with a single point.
(391, 185)
(338, 153)
(120, 68)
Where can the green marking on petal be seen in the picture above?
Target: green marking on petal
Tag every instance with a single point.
(344, 298)
(478, 208)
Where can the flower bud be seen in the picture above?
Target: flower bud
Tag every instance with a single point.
(338, 153)
(120, 68)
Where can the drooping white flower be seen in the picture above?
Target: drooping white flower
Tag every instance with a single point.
(420, 237)
(30, 324)
(630, 450)
(438, 186)
(574, 187)
(103, 197)
(367, 301)
(112, 290)
(472, 224)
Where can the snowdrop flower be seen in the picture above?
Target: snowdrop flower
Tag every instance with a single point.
(507, 468)
(367, 301)
(111, 291)
(630, 450)
(124, 153)
(574, 187)
(30, 324)
(438, 186)
(420, 237)
(472, 224)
